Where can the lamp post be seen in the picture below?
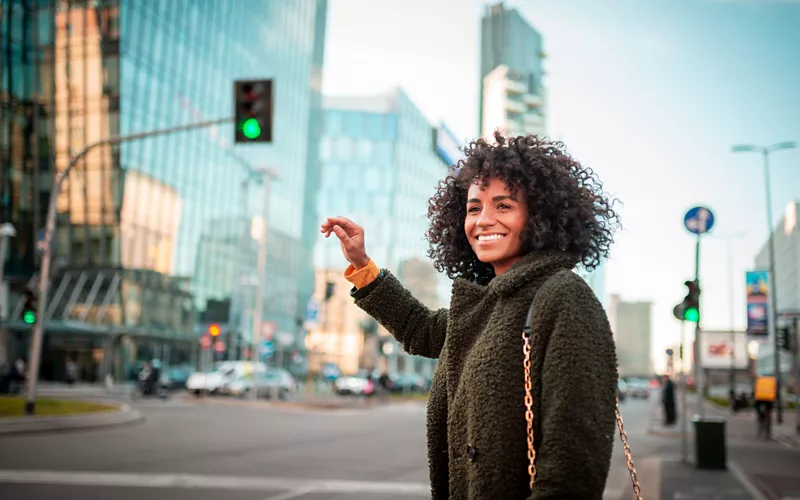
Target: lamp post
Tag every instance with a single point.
(268, 175)
(773, 299)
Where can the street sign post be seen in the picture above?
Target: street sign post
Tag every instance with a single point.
(698, 220)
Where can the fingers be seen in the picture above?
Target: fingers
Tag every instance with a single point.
(341, 234)
(349, 226)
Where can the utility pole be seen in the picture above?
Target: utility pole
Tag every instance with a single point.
(44, 279)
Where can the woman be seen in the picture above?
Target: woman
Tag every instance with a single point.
(509, 223)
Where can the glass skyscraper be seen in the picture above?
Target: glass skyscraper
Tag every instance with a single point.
(153, 237)
(380, 168)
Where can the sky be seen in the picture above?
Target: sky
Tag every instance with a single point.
(651, 94)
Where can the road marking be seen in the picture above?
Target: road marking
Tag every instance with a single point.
(192, 481)
(291, 494)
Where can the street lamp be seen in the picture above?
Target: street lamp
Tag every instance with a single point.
(773, 299)
(267, 174)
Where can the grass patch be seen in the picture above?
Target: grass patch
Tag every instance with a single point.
(15, 407)
(719, 401)
(411, 396)
(723, 402)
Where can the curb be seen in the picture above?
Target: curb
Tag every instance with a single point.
(125, 415)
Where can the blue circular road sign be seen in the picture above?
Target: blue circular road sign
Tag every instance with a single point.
(698, 220)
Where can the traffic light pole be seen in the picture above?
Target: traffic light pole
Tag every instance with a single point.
(684, 411)
(35, 353)
(699, 378)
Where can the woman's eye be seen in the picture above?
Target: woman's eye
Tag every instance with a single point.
(504, 207)
(473, 209)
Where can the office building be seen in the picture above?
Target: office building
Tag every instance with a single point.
(379, 168)
(512, 93)
(786, 236)
(632, 325)
(153, 236)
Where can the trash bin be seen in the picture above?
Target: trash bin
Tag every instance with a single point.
(709, 439)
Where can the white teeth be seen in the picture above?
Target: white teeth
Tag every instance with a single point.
(490, 237)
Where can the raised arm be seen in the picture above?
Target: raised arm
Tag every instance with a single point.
(420, 330)
(579, 390)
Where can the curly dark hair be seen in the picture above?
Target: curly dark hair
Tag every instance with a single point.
(567, 208)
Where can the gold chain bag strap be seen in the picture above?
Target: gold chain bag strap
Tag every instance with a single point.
(526, 350)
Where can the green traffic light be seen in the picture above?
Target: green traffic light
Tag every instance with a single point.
(691, 314)
(29, 317)
(251, 129)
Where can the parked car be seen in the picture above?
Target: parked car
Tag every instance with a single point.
(274, 382)
(622, 390)
(216, 381)
(639, 388)
(356, 385)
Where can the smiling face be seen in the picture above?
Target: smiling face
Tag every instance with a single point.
(494, 224)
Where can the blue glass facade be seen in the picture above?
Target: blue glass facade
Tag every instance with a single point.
(386, 144)
(153, 236)
(178, 63)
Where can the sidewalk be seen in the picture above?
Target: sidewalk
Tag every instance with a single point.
(757, 469)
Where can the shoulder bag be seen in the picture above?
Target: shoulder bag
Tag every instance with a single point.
(526, 350)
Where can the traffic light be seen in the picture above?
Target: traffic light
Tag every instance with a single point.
(253, 110)
(691, 304)
(214, 330)
(784, 337)
(29, 308)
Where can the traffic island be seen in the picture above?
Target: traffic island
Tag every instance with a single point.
(62, 414)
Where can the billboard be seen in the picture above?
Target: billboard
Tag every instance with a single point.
(447, 146)
(756, 286)
(716, 349)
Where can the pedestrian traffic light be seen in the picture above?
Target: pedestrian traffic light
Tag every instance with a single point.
(784, 339)
(29, 308)
(214, 330)
(691, 304)
(253, 110)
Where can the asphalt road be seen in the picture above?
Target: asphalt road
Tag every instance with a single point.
(204, 451)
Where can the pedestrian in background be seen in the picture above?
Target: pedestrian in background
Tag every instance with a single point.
(668, 402)
(508, 225)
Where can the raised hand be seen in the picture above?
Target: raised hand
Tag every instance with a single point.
(351, 238)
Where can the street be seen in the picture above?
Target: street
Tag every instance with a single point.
(201, 451)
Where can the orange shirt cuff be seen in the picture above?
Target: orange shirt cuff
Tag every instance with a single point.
(364, 276)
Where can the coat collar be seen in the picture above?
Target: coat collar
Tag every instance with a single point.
(530, 267)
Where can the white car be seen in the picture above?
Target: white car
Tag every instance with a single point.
(274, 382)
(217, 380)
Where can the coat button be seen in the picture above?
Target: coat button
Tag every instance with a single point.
(471, 453)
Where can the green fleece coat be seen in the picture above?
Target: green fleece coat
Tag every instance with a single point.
(477, 445)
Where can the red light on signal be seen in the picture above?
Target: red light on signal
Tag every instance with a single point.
(214, 330)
